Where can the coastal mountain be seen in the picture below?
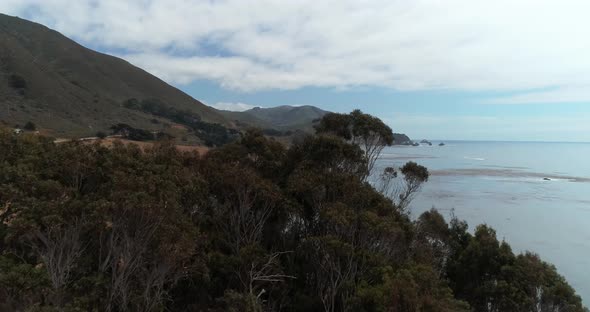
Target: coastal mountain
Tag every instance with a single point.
(52, 84)
(282, 118)
(68, 90)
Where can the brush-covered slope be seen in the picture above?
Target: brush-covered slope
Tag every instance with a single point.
(69, 90)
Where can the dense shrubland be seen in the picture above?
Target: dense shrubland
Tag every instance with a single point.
(251, 226)
(211, 134)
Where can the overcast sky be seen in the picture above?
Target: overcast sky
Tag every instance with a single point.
(481, 70)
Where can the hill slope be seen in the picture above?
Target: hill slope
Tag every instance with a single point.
(70, 90)
(281, 117)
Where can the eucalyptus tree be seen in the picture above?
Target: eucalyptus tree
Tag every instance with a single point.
(370, 133)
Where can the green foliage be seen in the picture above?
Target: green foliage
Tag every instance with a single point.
(357, 127)
(413, 288)
(251, 226)
(211, 133)
(362, 130)
(30, 126)
(414, 172)
(402, 191)
(336, 124)
(367, 127)
(485, 273)
(21, 283)
(101, 135)
(132, 133)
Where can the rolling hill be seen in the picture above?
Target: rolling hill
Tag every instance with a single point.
(68, 90)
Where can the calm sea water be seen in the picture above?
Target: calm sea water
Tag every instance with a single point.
(502, 184)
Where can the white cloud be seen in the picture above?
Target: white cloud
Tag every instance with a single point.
(472, 45)
(236, 107)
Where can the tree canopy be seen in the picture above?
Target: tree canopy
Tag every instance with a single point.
(359, 129)
(251, 226)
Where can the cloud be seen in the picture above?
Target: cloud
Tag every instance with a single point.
(236, 107)
(471, 45)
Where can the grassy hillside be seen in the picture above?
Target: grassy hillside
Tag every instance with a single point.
(69, 90)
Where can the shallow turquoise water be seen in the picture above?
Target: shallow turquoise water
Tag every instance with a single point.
(502, 184)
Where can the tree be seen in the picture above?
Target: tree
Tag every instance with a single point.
(132, 133)
(251, 226)
(101, 135)
(432, 242)
(366, 131)
(30, 126)
(22, 284)
(485, 273)
(418, 288)
(335, 271)
(245, 206)
(402, 191)
(60, 248)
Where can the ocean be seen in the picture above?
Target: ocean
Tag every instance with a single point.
(535, 195)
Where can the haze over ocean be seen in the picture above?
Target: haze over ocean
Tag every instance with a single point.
(502, 184)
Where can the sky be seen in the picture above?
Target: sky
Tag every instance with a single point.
(452, 69)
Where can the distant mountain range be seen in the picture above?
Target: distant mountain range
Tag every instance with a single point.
(67, 90)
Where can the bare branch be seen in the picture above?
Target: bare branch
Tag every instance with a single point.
(267, 272)
(59, 248)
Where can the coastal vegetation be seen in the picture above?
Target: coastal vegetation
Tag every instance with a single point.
(253, 225)
(212, 134)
